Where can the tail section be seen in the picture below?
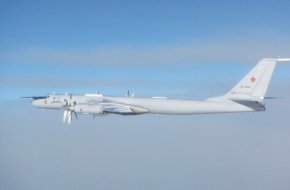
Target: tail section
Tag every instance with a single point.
(255, 84)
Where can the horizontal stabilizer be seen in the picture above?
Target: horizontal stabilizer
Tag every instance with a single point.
(271, 98)
(255, 105)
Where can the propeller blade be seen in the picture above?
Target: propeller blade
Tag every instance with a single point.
(76, 115)
(69, 109)
(65, 113)
(69, 117)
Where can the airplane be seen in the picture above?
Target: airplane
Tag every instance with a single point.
(248, 95)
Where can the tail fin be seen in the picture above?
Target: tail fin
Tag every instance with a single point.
(255, 84)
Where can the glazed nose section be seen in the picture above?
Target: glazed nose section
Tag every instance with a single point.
(39, 102)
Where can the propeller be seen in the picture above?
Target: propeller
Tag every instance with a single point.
(69, 109)
(128, 94)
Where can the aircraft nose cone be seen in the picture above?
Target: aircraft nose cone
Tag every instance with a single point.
(35, 103)
(38, 103)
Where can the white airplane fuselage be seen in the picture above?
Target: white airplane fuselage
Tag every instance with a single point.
(149, 105)
(246, 96)
(180, 107)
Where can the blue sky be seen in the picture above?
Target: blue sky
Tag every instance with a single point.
(89, 46)
(179, 49)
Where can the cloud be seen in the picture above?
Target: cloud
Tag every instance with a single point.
(28, 80)
(151, 86)
(243, 50)
(223, 151)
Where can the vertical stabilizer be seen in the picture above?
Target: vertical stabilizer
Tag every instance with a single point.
(255, 84)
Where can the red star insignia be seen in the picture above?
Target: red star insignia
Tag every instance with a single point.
(253, 79)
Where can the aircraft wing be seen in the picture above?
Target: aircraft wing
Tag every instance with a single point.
(123, 109)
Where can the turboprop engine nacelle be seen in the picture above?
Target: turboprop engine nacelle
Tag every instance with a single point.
(89, 109)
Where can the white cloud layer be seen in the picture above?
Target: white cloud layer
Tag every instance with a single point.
(244, 50)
